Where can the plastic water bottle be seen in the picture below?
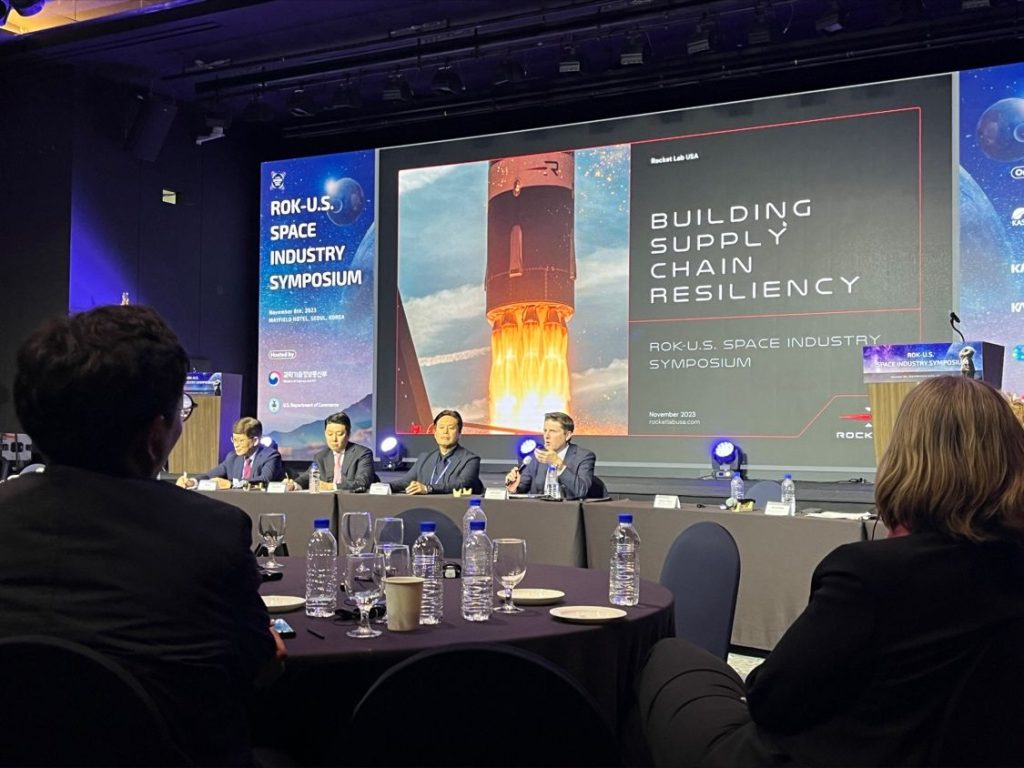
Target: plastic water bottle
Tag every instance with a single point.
(322, 571)
(736, 488)
(551, 487)
(789, 492)
(624, 570)
(477, 570)
(314, 478)
(474, 512)
(427, 562)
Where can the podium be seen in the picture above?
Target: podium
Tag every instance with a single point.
(206, 436)
(892, 370)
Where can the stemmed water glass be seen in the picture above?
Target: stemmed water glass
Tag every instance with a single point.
(388, 530)
(272, 531)
(364, 572)
(509, 558)
(397, 562)
(355, 531)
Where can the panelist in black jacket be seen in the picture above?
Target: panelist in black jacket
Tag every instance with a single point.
(447, 468)
(344, 466)
(249, 459)
(575, 465)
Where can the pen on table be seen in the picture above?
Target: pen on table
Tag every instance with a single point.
(314, 633)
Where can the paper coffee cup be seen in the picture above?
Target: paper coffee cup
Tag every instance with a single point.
(403, 594)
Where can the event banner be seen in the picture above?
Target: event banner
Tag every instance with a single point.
(316, 334)
(992, 212)
(913, 362)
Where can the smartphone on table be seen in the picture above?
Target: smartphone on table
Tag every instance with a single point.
(283, 628)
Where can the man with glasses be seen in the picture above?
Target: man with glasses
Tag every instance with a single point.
(99, 552)
(250, 461)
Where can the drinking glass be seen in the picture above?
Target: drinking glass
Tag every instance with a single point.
(397, 562)
(355, 531)
(509, 568)
(388, 530)
(363, 574)
(272, 531)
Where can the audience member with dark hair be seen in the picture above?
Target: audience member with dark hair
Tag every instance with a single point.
(250, 460)
(574, 464)
(866, 672)
(100, 552)
(447, 468)
(343, 466)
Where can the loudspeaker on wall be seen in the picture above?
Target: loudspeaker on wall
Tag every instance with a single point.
(149, 121)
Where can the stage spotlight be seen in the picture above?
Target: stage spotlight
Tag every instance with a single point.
(570, 62)
(726, 458)
(268, 442)
(5, 10)
(636, 51)
(27, 7)
(391, 453)
(832, 20)
(703, 39)
(396, 89)
(526, 447)
(447, 82)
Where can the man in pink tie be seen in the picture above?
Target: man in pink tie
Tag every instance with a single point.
(250, 460)
(344, 466)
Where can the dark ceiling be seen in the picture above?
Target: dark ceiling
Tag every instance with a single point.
(313, 68)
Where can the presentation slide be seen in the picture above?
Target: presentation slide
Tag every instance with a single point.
(682, 276)
(316, 333)
(992, 213)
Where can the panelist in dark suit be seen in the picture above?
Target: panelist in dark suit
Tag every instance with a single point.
(250, 460)
(344, 466)
(575, 465)
(866, 673)
(447, 468)
(99, 552)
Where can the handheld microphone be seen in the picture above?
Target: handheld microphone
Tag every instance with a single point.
(954, 319)
(526, 460)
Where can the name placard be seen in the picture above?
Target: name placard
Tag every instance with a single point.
(498, 494)
(276, 487)
(379, 489)
(207, 485)
(664, 501)
(776, 508)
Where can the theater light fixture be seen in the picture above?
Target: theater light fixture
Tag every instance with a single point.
(704, 38)
(391, 453)
(446, 81)
(832, 20)
(570, 62)
(526, 447)
(636, 51)
(726, 458)
(396, 89)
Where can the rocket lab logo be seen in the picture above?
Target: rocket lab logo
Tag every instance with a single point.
(277, 180)
(1017, 217)
(865, 432)
(274, 378)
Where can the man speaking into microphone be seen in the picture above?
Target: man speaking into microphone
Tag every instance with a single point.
(574, 465)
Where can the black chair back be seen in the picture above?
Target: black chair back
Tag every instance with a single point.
(984, 720)
(68, 705)
(447, 531)
(483, 705)
(702, 570)
(764, 491)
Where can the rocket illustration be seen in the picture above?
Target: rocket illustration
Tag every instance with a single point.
(530, 285)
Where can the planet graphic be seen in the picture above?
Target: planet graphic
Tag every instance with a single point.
(347, 201)
(1000, 130)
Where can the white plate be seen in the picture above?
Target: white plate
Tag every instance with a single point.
(534, 596)
(282, 603)
(587, 614)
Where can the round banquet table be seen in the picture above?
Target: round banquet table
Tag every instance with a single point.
(325, 677)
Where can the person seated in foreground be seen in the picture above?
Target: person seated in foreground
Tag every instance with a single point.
(344, 466)
(101, 553)
(865, 674)
(250, 460)
(575, 465)
(446, 469)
